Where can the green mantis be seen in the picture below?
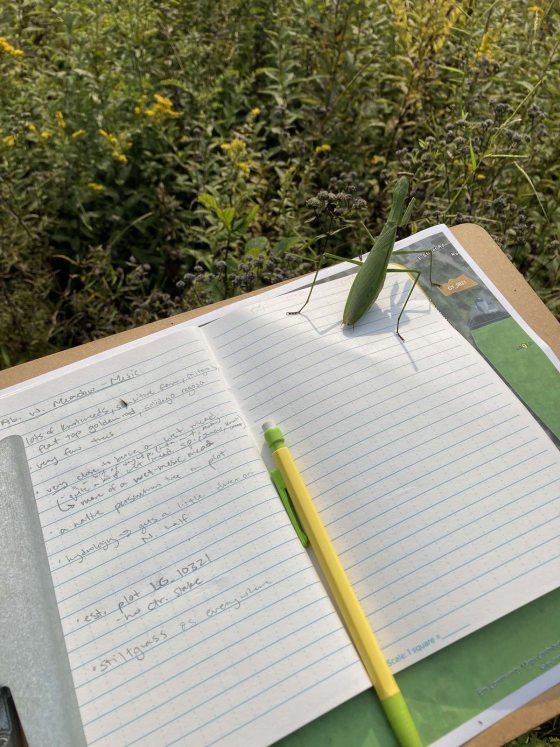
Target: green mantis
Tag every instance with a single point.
(370, 278)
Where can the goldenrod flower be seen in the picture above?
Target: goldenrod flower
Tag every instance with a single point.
(484, 50)
(96, 187)
(6, 47)
(324, 148)
(118, 155)
(162, 109)
(9, 140)
(60, 120)
(119, 144)
(234, 149)
(255, 112)
(78, 134)
(139, 108)
(45, 134)
(110, 138)
(244, 166)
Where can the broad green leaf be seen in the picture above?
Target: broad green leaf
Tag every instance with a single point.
(226, 215)
(208, 200)
(284, 244)
(256, 246)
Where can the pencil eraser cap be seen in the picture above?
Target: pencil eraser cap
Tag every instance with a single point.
(273, 435)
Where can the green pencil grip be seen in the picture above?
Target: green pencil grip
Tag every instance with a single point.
(399, 717)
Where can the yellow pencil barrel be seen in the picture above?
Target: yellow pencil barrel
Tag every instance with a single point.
(341, 588)
(347, 602)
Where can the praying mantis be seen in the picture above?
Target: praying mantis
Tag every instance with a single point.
(370, 278)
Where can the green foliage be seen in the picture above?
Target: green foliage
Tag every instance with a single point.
(156, 156)
(547, 735)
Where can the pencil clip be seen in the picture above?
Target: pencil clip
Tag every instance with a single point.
(280, 486)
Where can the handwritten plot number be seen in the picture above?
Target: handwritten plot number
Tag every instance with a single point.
(370, 278)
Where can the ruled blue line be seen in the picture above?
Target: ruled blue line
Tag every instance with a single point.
(348, 414)
(378, 446)
(260, 327)
(371, 435)
(151, 382)
(321, 347)
(436, 469)
(467, 562)
(238, 683)
(165, 549)
(160, 487)
(445, 499)
(177, 581)
(474, 599)
(180, 613)
(139, 580)
(122, 434)
(278, 705)
(136, 487)
(275, 684)
(352, 394)
(374, 324)
(219, 632)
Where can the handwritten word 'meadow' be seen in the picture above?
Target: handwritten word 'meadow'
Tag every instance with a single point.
(68, 399)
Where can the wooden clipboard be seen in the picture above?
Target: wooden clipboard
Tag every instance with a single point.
(500, 270)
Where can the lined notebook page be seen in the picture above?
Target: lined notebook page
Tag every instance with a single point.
(439, 490)
(191, 613)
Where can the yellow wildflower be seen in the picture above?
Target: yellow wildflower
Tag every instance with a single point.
(119, 155)
(33, 128)
(255, 112)
(235, 149)
(9, 140)
(78, 134)
(110, 138)
(480, 177)
(45, 134)
(139, 108)
(61, 122)
(324, 148)
(6, 47)
(244, 166)
(536, 9)
(119, 144)
(96, 187)
(162, 109)
(376, 160)
(484, 50)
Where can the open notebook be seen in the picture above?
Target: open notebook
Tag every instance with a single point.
(191, 614)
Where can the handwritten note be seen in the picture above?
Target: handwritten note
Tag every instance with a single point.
(191, 613)
(439, 490)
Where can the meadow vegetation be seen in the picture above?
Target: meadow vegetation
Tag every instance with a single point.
(158, 156)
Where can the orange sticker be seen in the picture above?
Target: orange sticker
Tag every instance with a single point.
(456, 285)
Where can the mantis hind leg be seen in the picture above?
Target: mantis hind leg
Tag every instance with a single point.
(322, 258)
(410, 272)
